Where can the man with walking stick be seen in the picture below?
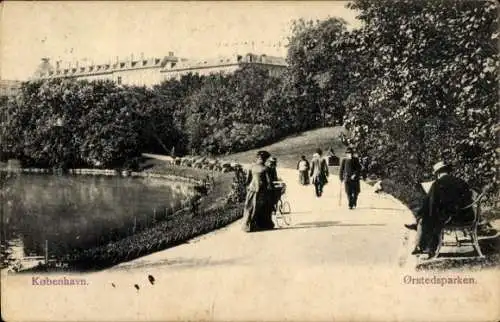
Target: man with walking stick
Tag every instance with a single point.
(350, 173)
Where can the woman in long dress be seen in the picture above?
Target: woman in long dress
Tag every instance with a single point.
(259, 186)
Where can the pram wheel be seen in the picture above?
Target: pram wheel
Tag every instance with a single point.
(284, 207)
(282, 216)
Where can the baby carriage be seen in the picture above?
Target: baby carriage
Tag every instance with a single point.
(281, 208)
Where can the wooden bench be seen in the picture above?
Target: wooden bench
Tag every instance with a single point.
(469, 230)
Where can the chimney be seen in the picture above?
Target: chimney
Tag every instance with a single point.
(117, 60)
(45, 60)
(131, 57)
(142, 56)
(171, 53)
(58, 65)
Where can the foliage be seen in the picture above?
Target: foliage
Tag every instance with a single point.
(318, 79)
(230, 113)
(426, 87)
(168, 115)
(61, 123)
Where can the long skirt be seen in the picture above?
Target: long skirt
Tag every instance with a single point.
(304, 177)
(256, 207)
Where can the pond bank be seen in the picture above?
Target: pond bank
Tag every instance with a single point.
(170, 227)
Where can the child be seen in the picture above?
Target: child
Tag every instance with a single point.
(303, 167)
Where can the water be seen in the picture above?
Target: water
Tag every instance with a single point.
(78, 212)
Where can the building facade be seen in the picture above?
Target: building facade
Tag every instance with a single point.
(9, 87)
(225, 65)
(152, 71)
(141, 72)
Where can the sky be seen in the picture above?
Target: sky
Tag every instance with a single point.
(100, 31)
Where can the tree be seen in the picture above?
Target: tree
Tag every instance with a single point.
(66, 123)
(319, 74)
(429, 87)
(230, 113)
(170, 108)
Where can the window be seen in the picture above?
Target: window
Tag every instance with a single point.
(119, 80)
(122, 65)
(144, 62)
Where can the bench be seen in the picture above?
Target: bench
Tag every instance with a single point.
(469, 230)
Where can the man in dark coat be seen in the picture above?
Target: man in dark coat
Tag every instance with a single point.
(445, 203)
(319, 172)
(350, 173)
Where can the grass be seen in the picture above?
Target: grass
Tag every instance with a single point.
(289, 150)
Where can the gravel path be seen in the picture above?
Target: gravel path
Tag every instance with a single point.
(331, 263)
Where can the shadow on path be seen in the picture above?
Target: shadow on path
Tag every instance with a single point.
(323, 224)
(179, 262)
(377, 208)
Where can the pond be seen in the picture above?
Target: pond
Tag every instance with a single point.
(62, 214)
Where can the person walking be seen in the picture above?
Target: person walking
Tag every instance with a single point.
(333, 160)
(446, 203)
(319, 172)
(350, 173)
(259, 187)
(303, 167)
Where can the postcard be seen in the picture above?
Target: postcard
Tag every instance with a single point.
(249, 161)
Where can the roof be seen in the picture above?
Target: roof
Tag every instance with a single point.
(225, 61)
(46, 70)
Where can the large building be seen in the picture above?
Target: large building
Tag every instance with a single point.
(9, 87)
(148, 72)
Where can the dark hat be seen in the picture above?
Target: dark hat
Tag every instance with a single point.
(318, 151)
(264, 155)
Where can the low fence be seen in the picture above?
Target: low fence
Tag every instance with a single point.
(104, 172)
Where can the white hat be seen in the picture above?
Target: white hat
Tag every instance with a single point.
(438, 166)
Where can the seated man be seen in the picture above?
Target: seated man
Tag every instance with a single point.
(444, 204)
